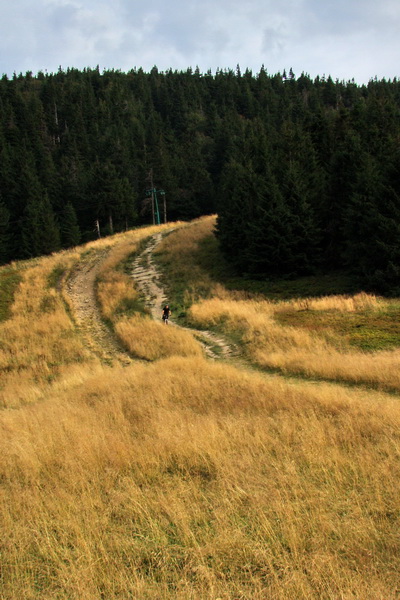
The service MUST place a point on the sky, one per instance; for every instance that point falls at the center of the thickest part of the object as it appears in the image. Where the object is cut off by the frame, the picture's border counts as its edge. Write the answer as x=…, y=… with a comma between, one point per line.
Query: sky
x=346, y=39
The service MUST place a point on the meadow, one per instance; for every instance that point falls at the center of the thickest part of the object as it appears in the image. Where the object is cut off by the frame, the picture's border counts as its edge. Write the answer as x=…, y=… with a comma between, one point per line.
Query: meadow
x=352, y=338
x=177, y=477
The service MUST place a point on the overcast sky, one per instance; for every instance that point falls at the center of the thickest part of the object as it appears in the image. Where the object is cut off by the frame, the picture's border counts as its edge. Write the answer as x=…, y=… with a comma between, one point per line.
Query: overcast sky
x=346, y=39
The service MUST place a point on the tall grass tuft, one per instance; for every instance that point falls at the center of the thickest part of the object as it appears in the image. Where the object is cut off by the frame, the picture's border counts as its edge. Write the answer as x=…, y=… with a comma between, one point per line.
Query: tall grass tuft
x=149, y=340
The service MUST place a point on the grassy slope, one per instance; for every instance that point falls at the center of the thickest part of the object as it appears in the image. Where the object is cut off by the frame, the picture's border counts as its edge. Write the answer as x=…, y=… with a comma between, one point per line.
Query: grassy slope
x=194, y=265
x=9, y=280
x=182, y=479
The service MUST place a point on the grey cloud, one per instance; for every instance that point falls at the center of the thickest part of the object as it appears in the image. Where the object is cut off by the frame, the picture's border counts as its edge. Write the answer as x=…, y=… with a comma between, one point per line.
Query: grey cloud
x=336, y=36
x=61, y=17
x=274, y=42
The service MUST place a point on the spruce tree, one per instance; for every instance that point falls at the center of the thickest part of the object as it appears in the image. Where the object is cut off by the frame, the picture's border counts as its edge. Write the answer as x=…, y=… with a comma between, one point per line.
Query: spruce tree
x=235, y=205
x=39, y=231
x=303, y=230
x=69, y=228
x=124, y=205
x=270, y=251
x=5, y=254
x=373, y=230
x=343, y=169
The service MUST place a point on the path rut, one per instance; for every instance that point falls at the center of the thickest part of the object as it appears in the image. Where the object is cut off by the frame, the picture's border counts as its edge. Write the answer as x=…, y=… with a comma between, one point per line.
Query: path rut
x=81, y=289
x=147, y=278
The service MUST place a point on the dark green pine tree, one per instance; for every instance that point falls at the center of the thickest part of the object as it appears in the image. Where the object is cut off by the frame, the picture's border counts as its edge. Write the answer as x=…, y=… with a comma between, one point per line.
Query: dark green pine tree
x=281, y=229
x=73, y=180
x=344, y=166
x=296, y=170
x=7, y=180
x=31, y=231
x=51, y=232
x=235, y=206
x=27, y=190
x=373, y=230
x=39, y=231
x=103, y=179
x=124, y=204
x=304, y=231
x=225, y=145
x=270, y=250
x=69, y=228
x=195, y=195
x=5, y=250
x=112, y=198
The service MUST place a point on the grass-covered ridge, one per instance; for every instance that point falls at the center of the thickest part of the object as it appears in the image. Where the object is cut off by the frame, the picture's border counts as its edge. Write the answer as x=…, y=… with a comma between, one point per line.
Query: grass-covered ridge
x=181, y=478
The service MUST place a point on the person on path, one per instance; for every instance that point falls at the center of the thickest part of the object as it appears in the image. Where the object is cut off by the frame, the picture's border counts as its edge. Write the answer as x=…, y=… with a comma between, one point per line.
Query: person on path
x=166, y=313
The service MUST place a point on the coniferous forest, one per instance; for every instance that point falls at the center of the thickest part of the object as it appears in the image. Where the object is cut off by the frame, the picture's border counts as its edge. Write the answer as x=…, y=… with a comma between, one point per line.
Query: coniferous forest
x=303, y=173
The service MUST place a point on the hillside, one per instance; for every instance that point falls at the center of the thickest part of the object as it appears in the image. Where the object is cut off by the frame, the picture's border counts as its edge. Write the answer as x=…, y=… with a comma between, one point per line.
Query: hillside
x=249, y=450
x=304, y=174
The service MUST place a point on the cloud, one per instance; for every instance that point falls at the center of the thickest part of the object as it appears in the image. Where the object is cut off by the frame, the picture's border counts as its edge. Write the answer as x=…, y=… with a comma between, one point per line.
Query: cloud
x=345, y=38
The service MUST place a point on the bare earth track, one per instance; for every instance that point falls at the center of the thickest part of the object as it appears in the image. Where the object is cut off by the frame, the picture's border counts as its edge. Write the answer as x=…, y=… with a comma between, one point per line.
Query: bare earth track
x=81, y=291
x=147, y=279
x=80, y=288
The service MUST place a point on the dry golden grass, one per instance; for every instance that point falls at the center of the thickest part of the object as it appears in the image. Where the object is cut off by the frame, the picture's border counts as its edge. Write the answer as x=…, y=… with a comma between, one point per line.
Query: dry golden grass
x=149, y=340
x=114, y=289
x=177, y=253
x=142, y=337
x=357, y=303
x=295, y=350
x=39, y=342
x=186, y=479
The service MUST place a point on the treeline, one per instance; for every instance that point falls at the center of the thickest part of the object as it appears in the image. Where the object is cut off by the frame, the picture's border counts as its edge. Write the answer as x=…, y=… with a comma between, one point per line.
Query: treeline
x=304, y=173
x=314, y=184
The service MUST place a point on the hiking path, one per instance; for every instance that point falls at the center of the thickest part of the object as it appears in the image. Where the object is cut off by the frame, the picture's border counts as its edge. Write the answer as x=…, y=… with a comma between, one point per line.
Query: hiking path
x=80, y=288
x=148, y=281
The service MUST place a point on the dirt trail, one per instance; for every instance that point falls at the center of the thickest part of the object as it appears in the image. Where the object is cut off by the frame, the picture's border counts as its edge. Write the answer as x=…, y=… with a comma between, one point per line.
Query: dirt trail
x=80, y=288
x=147, y=279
